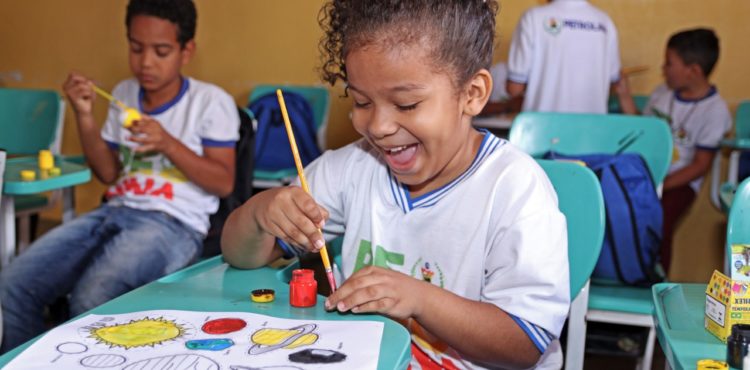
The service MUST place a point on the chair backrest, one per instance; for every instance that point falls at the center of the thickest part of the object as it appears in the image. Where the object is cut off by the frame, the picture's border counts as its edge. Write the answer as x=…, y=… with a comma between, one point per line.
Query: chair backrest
x=317, y=96
x=742, y=120
x=613, y=105
x=738, y=223
x=572, y=133
x=580, y=200
x=2, y=174
x=30, y=120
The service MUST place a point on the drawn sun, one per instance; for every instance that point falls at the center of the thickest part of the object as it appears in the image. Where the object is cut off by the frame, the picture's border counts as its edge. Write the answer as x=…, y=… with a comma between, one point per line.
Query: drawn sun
x=146, y=332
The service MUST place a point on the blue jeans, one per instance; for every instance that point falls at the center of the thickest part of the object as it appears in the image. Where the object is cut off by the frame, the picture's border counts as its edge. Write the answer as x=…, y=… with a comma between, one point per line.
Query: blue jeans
x=92, y=259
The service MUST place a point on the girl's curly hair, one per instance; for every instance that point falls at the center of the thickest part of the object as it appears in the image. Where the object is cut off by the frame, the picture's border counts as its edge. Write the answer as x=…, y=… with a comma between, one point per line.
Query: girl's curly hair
x=459, y=33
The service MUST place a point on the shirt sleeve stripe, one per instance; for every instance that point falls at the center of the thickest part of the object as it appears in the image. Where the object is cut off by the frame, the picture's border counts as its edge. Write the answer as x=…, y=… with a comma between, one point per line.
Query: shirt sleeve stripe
x=540, y=337
x=218, y=143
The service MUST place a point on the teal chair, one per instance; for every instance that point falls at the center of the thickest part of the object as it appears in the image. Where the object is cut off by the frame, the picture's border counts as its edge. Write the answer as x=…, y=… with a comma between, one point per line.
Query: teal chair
x=738, y=222
x=538, y=133
x=320, y=101
x=580, y=200
x=722, y=192
x=31, y=120
x=613, y=105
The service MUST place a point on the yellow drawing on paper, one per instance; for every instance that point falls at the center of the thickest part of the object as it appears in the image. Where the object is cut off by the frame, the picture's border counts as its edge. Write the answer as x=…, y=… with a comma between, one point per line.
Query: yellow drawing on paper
x=270, y=339
x=146, y=332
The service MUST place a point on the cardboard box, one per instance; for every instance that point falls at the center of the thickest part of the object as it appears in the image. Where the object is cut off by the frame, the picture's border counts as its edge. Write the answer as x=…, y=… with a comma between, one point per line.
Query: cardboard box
x=727, y=303
x=740, y=262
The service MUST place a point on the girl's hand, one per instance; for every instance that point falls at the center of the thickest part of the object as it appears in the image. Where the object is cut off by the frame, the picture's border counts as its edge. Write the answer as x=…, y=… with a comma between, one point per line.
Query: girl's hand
x=291, y=215
x=376, y=289
x=79, y=92
x=148, y=133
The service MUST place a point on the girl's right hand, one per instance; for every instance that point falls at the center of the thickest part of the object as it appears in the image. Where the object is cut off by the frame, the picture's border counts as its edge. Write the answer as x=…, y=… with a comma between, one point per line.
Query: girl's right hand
x=292, y=215
x=79, y=92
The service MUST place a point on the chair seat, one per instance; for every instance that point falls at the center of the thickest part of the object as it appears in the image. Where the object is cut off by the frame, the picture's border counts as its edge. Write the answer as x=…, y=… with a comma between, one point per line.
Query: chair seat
x=28, y=202
x=287, y=173
x=621, y=298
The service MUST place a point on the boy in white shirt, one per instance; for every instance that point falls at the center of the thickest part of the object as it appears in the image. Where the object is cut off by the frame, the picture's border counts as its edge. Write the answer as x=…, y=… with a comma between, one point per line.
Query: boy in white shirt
x=165, y=173
x=697, y=114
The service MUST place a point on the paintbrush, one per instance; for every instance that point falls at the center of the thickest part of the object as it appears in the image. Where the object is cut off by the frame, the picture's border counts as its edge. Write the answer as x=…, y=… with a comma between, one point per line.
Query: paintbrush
x=303, y=181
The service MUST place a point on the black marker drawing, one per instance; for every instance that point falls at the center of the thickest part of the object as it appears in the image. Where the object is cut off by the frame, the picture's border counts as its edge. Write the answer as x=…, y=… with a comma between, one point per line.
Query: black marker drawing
x=103, y=360
x=70, y=348
x=175, y=362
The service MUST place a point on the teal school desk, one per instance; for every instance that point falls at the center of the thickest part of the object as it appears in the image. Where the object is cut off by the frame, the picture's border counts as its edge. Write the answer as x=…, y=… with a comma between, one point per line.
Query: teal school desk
x=214, y=286
x=71, y=174
x=678, y=315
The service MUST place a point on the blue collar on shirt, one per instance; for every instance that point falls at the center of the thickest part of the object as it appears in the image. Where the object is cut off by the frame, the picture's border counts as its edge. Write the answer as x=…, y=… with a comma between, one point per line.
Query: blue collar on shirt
x=404, y=200
x=711, y=92
x=163, y=108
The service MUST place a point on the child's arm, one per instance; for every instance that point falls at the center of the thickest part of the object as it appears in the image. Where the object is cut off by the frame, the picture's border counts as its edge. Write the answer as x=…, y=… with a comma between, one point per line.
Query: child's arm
x=487, y=334
x=624, y=96
x=212, y=172
x=698, y=167
x=102, y=160
x=288, y=213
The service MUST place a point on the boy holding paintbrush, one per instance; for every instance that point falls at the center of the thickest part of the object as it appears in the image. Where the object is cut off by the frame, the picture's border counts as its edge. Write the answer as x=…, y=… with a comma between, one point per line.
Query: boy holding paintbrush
x=166, y=171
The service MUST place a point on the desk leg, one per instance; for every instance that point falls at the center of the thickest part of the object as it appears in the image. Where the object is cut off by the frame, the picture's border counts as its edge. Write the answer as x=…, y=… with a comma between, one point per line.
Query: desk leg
x=8, y=231
x=69, y=204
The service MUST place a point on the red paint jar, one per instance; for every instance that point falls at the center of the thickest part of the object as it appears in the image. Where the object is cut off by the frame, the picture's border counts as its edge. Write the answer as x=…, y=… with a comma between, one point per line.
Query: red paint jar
x=303, y=289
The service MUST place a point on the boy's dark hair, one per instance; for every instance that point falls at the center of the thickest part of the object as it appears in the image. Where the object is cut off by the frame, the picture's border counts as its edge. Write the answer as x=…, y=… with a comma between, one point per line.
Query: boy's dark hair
x=180, y=12
x=460, y=33
x=697, y=46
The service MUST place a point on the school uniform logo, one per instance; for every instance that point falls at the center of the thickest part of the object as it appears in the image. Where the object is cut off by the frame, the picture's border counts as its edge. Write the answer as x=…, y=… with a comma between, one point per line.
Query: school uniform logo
x=429, y=272
x=552, y=26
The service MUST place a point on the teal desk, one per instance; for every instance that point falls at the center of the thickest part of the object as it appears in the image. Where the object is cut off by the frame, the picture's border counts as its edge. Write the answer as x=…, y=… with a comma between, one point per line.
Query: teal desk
x=214, y=286
x=71, y=174
x=678, y=316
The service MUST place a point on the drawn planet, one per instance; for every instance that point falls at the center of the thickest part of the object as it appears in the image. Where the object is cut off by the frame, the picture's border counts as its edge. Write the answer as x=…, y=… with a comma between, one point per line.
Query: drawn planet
x=71, y=348
x=103, y=361
x=211, y=344
x=223, y=326
x=175, y=362
x=317, y=356
x=270, y=339
x=138, y=333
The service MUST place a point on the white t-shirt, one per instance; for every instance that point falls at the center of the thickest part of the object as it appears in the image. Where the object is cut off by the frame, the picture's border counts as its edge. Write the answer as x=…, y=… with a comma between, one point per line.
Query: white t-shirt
x=499, y=73
x=494, y=234
x=202, y=115
x=695, y=124
x=566, y=53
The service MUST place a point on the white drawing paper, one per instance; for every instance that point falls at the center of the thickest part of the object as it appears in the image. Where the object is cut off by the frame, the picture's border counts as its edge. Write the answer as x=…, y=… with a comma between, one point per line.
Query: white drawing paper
x=181, y=340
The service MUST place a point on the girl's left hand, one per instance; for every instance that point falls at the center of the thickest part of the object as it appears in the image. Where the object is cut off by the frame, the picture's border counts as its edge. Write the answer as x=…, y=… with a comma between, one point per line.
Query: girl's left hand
x=148, y=133
x=375, y=289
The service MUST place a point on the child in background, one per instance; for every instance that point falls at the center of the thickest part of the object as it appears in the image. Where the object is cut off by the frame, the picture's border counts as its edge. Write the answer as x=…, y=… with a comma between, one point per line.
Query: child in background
x=698, y=117
x=563, y=58
x=166, y=172
x=450, y=230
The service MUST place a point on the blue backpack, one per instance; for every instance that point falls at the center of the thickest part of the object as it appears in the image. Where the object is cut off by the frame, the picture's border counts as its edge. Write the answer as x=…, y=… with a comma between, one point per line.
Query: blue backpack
x=632, y=237
x=272, y=151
